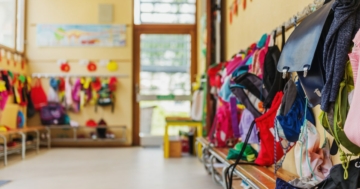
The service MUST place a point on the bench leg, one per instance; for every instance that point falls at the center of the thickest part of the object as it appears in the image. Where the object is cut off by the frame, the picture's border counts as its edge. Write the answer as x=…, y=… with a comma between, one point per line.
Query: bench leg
x=224, y=171
x=48, y=137
x=205, y=159
x=4, y=148
x=200, y=157
x=37, y=142
x=23, y=145
x=212, y=169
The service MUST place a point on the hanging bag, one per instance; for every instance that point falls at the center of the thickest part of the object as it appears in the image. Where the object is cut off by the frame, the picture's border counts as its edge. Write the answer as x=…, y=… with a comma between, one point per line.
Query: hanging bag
x=334, y=121
x=272, y=79
x=303, y=52
x=38, y=95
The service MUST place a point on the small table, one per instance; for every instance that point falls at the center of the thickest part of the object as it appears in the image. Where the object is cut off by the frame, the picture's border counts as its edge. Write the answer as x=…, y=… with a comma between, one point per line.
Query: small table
x=180, y=122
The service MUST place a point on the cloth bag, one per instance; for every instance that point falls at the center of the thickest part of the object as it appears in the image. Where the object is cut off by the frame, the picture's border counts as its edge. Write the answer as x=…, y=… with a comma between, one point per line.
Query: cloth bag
x=334, y=121
x=38, y=95
x=312, y=161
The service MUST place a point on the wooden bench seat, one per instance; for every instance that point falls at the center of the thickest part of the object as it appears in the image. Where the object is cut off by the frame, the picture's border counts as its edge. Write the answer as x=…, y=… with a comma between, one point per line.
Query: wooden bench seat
x=261, y=177
x=203, y=141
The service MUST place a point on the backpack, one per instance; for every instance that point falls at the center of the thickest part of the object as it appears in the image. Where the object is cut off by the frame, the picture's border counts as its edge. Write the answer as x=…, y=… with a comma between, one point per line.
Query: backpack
x=273, y=81
x=221, y=134
x=249, y=91
x=105, y=98
x=38, y=95
x=53, y=114
x=334, y=120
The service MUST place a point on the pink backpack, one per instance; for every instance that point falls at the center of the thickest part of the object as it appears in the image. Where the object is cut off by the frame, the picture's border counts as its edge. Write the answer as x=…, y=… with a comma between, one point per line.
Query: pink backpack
x=222, y=134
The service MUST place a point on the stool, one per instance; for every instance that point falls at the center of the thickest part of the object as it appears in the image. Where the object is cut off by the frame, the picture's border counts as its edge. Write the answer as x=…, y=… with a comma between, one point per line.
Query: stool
x=181, y=122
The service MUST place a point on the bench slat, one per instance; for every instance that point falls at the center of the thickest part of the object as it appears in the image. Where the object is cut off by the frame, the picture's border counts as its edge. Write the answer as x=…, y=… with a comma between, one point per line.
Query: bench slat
x=263, y=177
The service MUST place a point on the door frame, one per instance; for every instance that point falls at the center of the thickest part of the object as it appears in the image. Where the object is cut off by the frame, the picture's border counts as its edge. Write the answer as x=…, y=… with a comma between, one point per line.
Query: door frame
x=157, y=29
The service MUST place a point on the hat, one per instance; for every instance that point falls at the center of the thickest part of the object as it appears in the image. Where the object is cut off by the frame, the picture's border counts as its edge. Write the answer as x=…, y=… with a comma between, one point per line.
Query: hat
x=91, y=67
x=91, y=123
x=112, y=66
x=102, y=123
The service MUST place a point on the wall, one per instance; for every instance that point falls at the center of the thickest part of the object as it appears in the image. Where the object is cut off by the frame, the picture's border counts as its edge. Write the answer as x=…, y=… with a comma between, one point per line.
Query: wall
x=263, y=16
x=43, y=60
x=201, y=36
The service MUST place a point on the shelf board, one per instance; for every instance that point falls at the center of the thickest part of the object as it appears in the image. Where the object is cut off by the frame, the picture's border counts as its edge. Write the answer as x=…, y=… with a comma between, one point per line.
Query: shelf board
x=86, y=140
x=85, y=127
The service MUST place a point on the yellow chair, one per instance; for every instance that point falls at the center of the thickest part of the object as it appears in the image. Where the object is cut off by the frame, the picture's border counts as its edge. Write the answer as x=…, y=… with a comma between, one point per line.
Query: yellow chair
x=180, y=122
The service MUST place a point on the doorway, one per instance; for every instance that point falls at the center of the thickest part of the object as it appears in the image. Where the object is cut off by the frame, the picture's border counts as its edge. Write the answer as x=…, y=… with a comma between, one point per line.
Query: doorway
x=163, y=73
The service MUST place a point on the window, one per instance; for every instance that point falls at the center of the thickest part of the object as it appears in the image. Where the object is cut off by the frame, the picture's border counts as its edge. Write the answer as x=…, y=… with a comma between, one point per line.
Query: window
x=165, y=64
x=165, y=11
x=12, y=16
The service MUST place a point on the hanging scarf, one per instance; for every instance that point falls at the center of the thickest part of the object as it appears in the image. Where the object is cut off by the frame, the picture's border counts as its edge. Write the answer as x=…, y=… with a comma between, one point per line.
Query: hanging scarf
x=337, y=45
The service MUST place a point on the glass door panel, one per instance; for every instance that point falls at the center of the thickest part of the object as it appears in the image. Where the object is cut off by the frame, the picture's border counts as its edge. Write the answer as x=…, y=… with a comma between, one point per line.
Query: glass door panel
x=165, y=85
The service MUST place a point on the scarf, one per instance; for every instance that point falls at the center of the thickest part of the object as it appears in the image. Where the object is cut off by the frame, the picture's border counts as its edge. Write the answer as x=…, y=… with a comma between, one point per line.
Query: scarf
x=337, y=45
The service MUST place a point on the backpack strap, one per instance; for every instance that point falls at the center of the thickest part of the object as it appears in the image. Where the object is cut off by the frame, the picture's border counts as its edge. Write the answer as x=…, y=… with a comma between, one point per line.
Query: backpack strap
x=234, y=117
x=232, y=167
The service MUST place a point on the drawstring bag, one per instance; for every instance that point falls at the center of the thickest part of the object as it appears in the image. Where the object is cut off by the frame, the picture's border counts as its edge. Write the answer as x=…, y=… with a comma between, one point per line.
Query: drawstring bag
x=292, y=113
x=312, y=161
x=266, y=155
x=334, y=121
x=38, y=95
x=265, y=125
x=246, y=119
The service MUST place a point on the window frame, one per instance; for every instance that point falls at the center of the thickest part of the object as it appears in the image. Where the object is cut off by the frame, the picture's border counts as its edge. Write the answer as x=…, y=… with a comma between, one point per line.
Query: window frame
x=155, y=12
x=14, y=49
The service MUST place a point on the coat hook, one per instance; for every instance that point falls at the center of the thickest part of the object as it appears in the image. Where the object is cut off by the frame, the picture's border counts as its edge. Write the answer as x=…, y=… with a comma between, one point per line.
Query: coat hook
x=295, y=21
x=285, y=70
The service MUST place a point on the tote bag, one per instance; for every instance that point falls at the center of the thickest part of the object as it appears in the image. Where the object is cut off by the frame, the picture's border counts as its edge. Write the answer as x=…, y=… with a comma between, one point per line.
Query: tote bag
x=38, y=95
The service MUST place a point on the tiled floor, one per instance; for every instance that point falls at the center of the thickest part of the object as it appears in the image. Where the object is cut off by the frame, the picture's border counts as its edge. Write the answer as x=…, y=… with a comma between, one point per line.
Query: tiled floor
x=111, y=168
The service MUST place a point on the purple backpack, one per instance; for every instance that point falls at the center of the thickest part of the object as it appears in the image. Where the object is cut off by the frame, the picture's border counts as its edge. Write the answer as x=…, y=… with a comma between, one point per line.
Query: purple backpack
x=52, y=114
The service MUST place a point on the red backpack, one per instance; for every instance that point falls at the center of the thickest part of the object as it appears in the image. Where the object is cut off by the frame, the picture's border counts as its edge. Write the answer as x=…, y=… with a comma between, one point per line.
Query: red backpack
x=38, y=95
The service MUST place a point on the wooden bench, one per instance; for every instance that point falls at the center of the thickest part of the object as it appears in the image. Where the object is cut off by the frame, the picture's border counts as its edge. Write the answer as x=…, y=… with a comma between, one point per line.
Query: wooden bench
x=254, y=175
x=24, y=144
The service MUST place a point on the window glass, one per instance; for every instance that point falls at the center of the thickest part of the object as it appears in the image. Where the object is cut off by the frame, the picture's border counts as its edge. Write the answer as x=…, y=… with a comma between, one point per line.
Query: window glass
x=165, y=11
x=165, y=64
x=7, y=22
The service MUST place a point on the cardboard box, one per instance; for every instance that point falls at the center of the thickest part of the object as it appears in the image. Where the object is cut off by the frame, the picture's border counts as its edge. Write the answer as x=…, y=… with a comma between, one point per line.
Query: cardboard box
x=175, y=149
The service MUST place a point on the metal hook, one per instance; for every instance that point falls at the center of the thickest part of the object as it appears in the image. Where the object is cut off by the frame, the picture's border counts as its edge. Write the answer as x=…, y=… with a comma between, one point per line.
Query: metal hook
x=306, y=69
x=285, y=70
x=357, y=164
x=295, y=21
